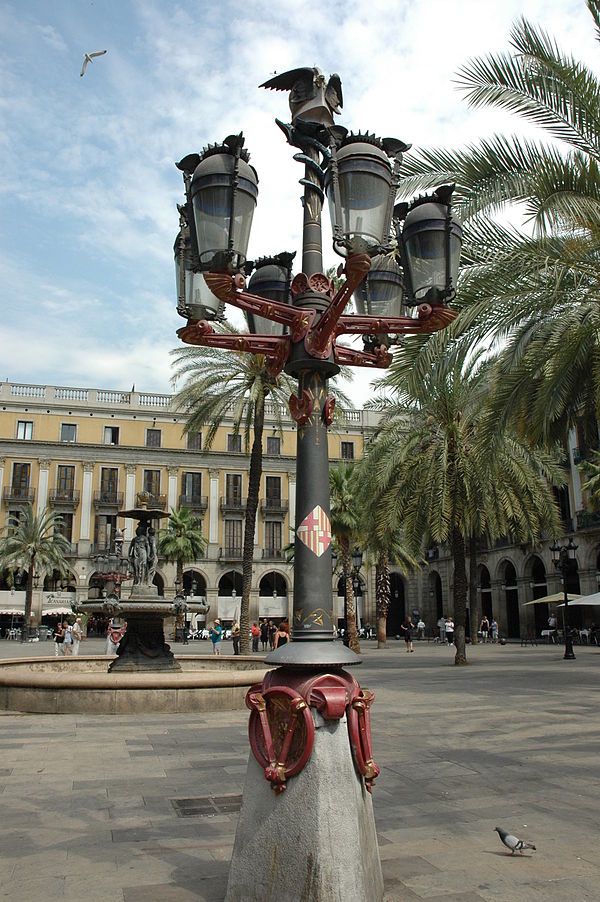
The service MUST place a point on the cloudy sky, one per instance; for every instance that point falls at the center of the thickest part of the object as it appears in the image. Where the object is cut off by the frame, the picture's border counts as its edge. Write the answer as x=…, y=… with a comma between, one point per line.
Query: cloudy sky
x=88, y=186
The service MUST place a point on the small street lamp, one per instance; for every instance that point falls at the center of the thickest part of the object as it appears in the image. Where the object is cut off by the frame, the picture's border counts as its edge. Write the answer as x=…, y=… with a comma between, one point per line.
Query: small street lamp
x=111, y=565
x=563, y=558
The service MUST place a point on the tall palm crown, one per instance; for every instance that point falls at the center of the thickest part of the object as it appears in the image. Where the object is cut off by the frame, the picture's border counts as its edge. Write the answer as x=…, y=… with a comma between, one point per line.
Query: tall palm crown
x=34, y=542
x=538, y=291
x=182, y=541
x=444, y=475
x=220, y=384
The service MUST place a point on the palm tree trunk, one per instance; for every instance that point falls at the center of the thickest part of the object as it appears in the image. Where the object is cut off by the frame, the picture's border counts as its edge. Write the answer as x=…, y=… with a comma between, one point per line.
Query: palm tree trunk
x=28, y=601
x=382, y=598
x=250, y=524
x=460, y=595
x=353, y=642
x=474, y=596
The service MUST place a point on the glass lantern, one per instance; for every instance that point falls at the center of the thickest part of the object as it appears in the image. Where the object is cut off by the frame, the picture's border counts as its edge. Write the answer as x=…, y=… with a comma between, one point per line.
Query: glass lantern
x=358, y=184
x=431, y=239
x=271, y=279
x=380, y=294
x=224, y=189
x=195, y=300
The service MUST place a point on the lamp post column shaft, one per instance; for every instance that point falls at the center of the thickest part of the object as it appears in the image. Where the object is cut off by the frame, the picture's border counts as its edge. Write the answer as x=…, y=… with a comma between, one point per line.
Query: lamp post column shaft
x=312, y=241
x=569, y=653
x=313, y=599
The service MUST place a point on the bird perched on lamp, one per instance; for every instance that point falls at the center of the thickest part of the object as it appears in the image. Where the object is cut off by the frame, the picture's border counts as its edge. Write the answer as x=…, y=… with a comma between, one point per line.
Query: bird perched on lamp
x=311, y=97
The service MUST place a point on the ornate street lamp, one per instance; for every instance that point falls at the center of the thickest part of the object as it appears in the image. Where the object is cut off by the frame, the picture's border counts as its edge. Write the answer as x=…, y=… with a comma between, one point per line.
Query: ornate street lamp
x=413, y=263
x=563, y=558
x=111, y=565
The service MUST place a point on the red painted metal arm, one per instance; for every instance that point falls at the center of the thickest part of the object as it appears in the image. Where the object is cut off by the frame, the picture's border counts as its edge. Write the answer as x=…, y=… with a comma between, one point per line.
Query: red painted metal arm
x=430, y=318
x=381, y=358
x=229, y=289
x=275, y=348
x=319, y=340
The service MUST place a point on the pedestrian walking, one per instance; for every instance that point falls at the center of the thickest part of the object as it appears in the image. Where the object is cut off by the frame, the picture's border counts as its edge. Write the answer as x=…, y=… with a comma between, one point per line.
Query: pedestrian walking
x=484, y=629
x=494, y=630
x=216, y=634
x=406, y=627
x=421, y=628
x=255, y=631
x=235, y=637
x=272, y=631
x=78, y=635
x=281, y=635
x=58, y=636
x=264, y=633
x=67, y=646
x=441, y=625
x=449, y=630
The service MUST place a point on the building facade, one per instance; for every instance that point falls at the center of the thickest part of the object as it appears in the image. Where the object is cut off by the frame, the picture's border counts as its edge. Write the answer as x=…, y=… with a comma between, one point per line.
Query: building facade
x=88, y=453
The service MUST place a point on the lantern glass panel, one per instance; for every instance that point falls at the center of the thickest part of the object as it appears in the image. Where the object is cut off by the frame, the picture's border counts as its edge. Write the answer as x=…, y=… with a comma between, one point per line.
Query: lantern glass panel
x=426, y=254
x=364, y=201
x=381, y=292
x=212, y=211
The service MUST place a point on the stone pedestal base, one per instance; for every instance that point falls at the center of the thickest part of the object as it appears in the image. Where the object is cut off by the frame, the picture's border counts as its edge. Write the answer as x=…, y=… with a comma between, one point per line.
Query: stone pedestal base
x=143, y=646
x=316, y=840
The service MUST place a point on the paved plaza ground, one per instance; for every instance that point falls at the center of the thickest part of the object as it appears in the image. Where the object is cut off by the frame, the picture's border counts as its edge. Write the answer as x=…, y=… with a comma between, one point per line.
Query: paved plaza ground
x=93, y=807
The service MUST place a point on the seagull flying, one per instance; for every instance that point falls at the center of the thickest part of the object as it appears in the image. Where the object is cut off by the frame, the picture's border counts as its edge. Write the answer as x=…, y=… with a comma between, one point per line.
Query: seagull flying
x=89, y=57
x=512, y=842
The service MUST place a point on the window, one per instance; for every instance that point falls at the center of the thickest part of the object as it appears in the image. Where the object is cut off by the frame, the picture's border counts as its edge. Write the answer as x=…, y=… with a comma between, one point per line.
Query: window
x=68, y=432
x=273, y=536
x=194, y=441
x=20, y=480
x=273, y=445
x=104, y=528
x=191, y=486
x=273, y=490
x=153, y=438
x=152, y=481
x=347, y=450
x=25, y=429
x=111, y=435
x=65, y=527
x=12, y=520
x=109, y=479
x=65, y=481
x=233, y=536
x=233, y=489
x=234, y=443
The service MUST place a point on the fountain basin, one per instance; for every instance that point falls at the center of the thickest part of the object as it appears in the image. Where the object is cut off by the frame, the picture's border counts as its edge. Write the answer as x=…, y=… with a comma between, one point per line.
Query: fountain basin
x=83, y=685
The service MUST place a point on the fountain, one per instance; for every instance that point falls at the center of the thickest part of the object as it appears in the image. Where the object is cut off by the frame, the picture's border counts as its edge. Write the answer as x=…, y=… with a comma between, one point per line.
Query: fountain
x=145, y=675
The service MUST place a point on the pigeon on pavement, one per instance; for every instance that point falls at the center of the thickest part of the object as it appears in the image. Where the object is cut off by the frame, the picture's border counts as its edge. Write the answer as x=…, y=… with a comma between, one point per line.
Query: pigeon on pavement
x=513, y=842
x=89, y=58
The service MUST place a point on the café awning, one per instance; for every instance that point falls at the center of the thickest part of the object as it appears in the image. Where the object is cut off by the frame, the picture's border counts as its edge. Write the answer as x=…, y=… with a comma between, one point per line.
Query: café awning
x=552, y=599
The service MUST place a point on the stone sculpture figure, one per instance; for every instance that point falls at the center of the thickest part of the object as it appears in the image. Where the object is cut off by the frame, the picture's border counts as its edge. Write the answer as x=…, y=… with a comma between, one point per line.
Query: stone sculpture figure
x=139, y=556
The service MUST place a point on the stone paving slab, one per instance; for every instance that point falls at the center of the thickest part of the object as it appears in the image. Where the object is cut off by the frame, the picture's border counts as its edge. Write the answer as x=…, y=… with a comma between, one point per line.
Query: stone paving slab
x=511, y=740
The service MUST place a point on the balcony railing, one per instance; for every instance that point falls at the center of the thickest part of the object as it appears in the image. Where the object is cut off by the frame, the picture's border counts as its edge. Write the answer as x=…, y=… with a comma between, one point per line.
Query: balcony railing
x=232, y=503
x=158, y=502
x=274, y=506
x=64, y=497
x=108, y=499
x=230, y=553
x=273, y=554
x=19, y=494
x=194, y=502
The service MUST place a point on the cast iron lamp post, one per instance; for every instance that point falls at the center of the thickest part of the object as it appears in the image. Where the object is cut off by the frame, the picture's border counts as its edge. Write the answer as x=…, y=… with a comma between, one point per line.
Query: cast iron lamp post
x=415, y=250
x=563, y=558
x=112, y=566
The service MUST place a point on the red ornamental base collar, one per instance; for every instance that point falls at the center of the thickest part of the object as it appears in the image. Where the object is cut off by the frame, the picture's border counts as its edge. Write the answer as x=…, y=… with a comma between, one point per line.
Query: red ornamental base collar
x=281, y=727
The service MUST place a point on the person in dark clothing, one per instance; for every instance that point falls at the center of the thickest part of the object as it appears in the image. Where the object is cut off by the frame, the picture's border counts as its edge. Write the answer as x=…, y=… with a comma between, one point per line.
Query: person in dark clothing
x=264, y=634
x=407, y=630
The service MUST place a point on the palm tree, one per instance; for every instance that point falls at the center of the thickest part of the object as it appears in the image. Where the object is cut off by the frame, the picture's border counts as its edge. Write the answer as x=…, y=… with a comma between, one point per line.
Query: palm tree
x=220, y=384
x=182, y=541
x=345, y=526
x=537, y=292
x=384, y=545
x=34, y=541
x=444, y=476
